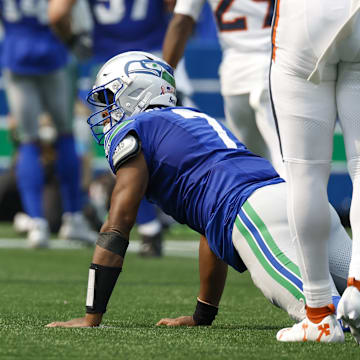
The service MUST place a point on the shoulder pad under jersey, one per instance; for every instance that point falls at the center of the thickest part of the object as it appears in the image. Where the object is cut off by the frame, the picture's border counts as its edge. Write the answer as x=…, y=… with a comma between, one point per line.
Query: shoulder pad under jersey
x=127, y=148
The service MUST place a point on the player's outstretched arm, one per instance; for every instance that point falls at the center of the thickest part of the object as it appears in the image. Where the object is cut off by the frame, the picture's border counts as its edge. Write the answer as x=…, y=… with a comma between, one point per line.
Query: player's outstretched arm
x=107, y=261
x=62, y=21
x=169, y=5
x=213, y=272
x=179, y=30
x=58, y=10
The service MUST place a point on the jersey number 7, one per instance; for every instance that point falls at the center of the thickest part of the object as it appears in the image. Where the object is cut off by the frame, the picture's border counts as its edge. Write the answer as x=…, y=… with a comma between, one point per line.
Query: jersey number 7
x=239, y=23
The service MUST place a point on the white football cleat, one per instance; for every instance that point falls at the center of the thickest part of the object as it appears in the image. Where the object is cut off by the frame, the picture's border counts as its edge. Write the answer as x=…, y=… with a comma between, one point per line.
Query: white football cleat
x=75, y=227
x=38, y=234
x=328, y=330
x=349, y=310
x=22, y=222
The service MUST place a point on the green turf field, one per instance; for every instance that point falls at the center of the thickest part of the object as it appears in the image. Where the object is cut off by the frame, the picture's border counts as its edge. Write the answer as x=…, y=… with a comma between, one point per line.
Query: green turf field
x=175, y=232
x=37, y=287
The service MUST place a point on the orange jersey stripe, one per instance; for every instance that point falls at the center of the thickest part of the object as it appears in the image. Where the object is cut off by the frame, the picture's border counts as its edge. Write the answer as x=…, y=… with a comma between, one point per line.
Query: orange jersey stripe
x=276, y=21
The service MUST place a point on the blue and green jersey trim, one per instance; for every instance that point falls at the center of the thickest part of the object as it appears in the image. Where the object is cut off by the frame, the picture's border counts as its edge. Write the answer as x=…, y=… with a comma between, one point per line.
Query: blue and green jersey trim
x=271, y=258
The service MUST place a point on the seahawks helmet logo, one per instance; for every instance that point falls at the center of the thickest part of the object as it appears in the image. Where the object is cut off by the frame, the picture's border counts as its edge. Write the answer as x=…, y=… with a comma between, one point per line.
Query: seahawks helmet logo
x=151, y=67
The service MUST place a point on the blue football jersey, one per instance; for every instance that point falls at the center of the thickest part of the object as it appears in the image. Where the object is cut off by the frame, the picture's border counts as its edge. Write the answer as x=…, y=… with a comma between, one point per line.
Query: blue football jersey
x=199, y=173
x=29, y=45
x=125, y=25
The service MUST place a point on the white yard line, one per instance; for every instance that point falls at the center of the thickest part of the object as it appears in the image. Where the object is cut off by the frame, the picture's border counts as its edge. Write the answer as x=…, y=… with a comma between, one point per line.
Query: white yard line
x=180, y=248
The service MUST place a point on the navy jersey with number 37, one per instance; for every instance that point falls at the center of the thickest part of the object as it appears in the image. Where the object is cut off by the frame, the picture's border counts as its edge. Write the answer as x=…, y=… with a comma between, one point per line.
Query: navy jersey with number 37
x=199, y=173
x=124, y=25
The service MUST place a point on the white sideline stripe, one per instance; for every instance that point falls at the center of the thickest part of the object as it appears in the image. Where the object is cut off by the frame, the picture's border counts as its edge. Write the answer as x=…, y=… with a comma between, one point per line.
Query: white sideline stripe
x=4, y=123
x=182, y=248
x=206, y=85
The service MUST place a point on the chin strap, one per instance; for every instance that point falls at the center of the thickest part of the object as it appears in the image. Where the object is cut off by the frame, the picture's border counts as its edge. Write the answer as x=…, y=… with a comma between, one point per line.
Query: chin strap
x=143, y=104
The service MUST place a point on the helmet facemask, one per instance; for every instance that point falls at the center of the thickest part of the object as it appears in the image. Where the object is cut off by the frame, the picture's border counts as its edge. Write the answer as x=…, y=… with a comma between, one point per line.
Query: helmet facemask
x=105, y=96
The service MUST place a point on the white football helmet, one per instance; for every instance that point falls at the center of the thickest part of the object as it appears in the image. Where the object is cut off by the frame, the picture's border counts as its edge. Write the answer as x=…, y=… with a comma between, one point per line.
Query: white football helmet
x=128, y=84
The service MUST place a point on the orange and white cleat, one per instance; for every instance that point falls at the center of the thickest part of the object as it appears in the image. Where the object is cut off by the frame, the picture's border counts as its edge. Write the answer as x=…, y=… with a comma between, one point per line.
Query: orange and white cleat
x=349, y=308
x=328, y=330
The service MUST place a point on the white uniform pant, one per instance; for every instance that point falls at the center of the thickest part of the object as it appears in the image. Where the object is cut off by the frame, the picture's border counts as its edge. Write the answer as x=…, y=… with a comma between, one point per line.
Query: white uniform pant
x=306, y=114
x=250, y=118
x=261, y=236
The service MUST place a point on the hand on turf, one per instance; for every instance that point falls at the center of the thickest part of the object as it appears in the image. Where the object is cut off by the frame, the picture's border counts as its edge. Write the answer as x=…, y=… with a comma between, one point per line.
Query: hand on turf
x=180, y=321
x=90, y=320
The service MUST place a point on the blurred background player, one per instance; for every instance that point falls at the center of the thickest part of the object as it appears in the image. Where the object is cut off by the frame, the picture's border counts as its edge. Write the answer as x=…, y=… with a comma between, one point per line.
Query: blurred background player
x=120, y=26
x=315, y=76
x=34, y=63
x=244, y=29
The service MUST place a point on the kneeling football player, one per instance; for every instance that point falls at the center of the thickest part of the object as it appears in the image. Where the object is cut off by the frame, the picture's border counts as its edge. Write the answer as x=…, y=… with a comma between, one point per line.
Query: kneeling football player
x=194, y=168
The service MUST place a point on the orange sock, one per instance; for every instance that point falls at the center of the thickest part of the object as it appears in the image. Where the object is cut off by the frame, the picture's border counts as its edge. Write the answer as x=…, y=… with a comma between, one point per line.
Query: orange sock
x=315, y=315
x=353, y=282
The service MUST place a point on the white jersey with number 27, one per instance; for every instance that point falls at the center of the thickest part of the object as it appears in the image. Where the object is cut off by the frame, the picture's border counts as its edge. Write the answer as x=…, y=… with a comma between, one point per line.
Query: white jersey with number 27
x=244, y=29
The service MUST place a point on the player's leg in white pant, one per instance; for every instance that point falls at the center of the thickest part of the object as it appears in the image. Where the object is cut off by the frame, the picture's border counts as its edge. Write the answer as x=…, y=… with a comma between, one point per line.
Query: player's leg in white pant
x=340, y=246
x=309, y=218
x=250, y=118
x=348, y=95
x=260, y=102
x=306, y=117
x=262, y=239
x=240, y=118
